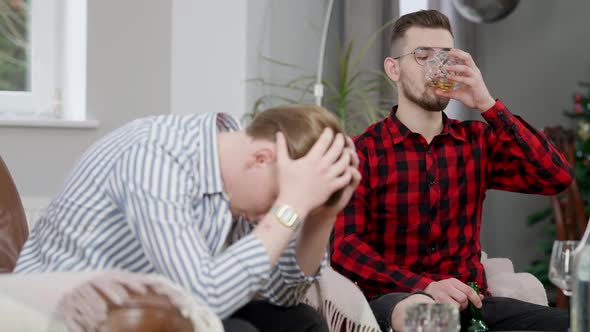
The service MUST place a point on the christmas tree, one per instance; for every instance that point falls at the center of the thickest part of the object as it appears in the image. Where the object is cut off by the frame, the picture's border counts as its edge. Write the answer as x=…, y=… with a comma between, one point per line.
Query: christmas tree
x=581, y=114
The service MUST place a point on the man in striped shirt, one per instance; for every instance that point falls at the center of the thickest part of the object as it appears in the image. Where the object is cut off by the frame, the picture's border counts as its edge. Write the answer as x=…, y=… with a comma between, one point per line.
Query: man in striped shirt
x=212, y=207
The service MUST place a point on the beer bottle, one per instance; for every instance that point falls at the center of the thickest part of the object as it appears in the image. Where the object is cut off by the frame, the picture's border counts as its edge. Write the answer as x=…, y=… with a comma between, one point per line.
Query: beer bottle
x=476, y=324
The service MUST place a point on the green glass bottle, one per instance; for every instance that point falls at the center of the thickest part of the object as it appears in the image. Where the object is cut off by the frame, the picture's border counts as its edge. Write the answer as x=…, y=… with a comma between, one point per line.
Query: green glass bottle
x=476, y=324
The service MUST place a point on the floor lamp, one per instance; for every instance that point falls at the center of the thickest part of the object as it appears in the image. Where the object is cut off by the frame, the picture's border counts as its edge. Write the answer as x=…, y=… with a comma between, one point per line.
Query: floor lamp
x=318, y=88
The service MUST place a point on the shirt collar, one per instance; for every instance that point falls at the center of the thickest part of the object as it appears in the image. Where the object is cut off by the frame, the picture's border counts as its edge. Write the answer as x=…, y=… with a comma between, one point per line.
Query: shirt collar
x=400, y=132
x=211, y=180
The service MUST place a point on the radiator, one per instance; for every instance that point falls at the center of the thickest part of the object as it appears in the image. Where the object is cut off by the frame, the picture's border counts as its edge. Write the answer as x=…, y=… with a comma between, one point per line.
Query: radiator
x=34, y=207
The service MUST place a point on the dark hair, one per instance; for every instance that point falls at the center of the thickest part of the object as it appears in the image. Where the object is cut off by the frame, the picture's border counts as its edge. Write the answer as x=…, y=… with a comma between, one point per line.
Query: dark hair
x=423, y=19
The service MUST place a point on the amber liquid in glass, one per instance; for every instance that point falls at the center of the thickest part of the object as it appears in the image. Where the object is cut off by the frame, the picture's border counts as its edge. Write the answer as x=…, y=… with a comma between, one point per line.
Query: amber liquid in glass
x=444, y=84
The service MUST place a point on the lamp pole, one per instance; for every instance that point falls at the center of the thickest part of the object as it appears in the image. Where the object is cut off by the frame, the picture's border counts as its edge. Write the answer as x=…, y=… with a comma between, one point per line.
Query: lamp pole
x=318, y=88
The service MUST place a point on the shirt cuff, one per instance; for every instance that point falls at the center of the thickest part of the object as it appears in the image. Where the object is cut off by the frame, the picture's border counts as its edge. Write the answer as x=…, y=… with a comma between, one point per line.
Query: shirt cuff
x=500, y=118
x=292, y=272
x=498, y=115
x=422, y=283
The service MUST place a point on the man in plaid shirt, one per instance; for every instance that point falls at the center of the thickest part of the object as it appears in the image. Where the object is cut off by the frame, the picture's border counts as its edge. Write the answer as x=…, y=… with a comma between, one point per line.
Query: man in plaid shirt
x=411, y=231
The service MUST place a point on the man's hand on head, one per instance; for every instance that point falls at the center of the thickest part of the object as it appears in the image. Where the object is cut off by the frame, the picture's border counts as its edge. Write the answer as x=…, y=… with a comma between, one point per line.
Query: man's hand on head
x=306, y=183
x=329, y=212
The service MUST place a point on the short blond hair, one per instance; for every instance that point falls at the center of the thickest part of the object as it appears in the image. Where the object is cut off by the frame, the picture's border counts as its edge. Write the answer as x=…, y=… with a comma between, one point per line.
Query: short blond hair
x=301, y=125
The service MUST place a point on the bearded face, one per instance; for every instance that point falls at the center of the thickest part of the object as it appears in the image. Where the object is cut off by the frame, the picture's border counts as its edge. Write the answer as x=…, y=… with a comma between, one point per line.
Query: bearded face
x=421, y=94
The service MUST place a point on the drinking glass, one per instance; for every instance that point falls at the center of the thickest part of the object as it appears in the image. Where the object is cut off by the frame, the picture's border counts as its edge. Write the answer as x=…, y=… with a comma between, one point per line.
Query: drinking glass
x=436, y=72
x=432, y=317
x=561, y=265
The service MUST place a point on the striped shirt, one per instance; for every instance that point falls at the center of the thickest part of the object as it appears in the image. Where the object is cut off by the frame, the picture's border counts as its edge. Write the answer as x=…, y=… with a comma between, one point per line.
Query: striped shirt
x=149, y=198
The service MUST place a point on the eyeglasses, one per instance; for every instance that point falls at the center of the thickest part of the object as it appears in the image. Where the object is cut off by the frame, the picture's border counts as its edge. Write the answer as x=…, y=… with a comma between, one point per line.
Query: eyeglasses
x=422, y=54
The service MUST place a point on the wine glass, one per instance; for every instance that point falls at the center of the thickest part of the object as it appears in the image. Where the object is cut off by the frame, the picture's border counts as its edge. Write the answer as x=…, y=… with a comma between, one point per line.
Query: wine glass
x=561, y=265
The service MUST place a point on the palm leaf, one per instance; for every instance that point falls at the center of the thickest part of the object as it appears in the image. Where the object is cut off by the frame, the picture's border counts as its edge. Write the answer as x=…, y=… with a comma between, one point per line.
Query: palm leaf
x=281, y=63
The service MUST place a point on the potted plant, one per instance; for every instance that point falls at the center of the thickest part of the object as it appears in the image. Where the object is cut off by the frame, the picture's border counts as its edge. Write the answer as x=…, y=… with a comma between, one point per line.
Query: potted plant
x=356, y=96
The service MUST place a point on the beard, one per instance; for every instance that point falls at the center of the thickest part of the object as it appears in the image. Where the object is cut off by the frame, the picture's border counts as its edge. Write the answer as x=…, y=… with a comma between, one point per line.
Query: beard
x=427, y=101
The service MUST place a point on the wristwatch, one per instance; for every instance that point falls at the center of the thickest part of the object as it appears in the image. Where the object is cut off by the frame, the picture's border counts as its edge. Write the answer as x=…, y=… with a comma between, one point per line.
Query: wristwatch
x=286, y=215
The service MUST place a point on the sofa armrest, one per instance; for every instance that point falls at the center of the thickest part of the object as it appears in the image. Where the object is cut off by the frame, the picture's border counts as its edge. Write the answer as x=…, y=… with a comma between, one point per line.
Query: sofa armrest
x=494, y=266
x=521, y=286
x=504, y=282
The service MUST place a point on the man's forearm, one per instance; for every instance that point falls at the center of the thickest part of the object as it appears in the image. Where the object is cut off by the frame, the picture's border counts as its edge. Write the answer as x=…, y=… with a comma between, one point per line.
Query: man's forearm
x=274, y=236
x=312, y=243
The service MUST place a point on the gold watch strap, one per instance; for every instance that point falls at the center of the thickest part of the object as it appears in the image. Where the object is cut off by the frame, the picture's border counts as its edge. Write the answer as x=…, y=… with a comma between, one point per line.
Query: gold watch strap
x=286, y=215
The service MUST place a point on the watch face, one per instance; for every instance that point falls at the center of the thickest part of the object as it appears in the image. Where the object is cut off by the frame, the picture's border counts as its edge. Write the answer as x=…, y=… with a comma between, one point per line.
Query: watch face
x=286, y=215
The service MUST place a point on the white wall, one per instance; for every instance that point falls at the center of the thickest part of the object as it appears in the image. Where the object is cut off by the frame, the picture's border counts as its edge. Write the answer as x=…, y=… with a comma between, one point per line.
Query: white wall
x=208, y=56
x=128, y=77
x=213, y=58
x=532, y=60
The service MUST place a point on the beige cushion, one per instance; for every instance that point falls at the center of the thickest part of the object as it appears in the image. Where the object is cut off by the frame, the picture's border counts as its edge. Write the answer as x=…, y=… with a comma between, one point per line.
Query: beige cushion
x=504, y=282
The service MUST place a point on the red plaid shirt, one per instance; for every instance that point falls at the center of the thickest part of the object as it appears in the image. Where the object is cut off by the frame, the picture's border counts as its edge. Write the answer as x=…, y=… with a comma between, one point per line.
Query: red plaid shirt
x=415, y=218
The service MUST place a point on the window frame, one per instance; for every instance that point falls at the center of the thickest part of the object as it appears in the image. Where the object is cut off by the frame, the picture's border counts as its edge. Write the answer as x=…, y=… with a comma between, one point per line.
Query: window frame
x=57, y=65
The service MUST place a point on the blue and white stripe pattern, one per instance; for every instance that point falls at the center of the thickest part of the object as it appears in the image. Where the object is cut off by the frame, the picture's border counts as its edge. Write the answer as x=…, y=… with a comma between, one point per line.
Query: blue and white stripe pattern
x=149, y=198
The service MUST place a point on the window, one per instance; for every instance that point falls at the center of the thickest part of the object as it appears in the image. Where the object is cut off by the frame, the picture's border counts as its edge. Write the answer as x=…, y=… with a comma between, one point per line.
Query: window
x=13, y=40
x=42, y=59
